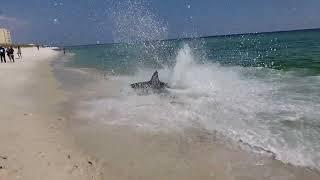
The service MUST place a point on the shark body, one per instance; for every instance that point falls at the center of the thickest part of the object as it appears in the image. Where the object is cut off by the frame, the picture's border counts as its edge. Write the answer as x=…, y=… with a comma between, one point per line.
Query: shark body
x=154, y=84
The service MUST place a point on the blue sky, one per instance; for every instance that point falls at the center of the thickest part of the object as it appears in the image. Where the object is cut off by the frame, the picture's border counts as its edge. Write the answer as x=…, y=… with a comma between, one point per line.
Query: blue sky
x=89, y=21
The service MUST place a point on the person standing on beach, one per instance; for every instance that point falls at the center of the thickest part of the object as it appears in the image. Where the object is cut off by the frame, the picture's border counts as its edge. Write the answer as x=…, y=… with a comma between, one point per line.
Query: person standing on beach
x=19, y=52
x=10, y=53
x=3, y=55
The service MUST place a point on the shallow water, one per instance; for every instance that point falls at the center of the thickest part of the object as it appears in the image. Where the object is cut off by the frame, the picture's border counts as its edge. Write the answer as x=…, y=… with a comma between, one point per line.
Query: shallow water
x=260, y=92
x=131, y=144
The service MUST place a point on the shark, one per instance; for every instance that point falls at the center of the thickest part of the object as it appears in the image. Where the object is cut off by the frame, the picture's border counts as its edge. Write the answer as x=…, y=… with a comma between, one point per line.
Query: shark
x=155, y=85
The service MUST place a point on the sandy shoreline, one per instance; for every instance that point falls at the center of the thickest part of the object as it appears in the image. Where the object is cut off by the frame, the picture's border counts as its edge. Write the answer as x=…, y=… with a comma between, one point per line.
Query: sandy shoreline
x=128, y=152
x=42, y=137
x=33, y=145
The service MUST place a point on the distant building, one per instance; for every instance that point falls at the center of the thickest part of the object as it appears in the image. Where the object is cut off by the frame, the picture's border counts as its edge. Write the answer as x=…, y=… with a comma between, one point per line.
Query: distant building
x=5, y=36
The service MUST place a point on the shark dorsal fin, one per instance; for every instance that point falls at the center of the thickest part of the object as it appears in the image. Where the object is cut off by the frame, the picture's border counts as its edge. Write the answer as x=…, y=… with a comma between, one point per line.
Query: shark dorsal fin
x=155, y=77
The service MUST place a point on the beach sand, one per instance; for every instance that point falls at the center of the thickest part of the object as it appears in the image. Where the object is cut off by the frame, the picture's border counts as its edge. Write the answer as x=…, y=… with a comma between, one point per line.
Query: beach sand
x=41, y=136
x=33, y=145
x=130, y=152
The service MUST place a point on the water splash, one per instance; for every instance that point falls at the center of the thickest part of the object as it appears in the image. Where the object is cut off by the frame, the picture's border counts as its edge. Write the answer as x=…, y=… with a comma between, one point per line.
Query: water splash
x=134, y=22
x=184, y=60
x=258, y=106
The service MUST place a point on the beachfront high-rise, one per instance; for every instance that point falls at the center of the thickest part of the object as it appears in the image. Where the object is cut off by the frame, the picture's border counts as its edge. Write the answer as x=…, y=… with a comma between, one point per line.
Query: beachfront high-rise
x=5, y=36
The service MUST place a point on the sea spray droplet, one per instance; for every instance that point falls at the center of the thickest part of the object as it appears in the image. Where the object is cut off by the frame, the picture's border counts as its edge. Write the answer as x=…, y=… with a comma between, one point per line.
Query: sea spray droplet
x=133, y=21
x=55, y=21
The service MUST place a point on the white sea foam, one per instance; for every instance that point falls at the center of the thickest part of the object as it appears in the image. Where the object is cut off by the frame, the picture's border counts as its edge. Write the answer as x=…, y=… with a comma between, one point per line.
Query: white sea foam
x=264, y=108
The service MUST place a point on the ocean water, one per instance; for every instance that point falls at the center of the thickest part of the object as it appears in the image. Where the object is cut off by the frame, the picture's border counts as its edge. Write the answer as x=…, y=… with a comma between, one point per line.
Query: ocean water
x=262, y=90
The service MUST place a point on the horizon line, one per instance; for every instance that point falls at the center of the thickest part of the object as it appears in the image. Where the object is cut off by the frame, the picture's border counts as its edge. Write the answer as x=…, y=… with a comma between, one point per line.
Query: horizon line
x=204, y=36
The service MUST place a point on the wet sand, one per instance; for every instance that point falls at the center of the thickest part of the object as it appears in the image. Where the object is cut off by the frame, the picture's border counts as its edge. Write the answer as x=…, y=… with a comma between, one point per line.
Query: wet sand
x=43, y=137
x=128, y=152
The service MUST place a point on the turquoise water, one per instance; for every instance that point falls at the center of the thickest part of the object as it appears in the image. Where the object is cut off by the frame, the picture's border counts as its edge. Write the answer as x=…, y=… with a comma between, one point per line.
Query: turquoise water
x=296, y=50
x=260, y=89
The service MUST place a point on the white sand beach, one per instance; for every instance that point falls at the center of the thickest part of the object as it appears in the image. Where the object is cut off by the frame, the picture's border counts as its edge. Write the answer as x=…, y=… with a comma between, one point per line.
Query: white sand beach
x=37, y=141
x=32, y=143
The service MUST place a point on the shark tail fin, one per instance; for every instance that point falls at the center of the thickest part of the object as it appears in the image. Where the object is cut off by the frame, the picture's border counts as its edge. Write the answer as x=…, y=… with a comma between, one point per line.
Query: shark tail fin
x=155, y=77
